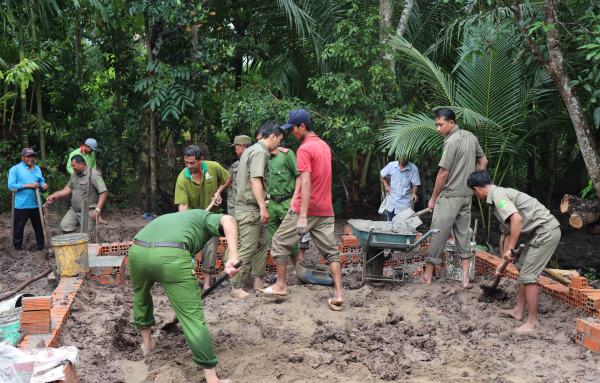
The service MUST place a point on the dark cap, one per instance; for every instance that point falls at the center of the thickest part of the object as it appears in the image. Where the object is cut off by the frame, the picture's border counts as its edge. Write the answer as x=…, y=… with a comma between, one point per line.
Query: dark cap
x=27, y=152
x=297, y=117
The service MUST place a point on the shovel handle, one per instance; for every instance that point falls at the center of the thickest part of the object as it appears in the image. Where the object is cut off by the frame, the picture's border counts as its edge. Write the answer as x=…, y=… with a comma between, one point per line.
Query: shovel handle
x=420, y=213
x=515, y=253
x=221, y=279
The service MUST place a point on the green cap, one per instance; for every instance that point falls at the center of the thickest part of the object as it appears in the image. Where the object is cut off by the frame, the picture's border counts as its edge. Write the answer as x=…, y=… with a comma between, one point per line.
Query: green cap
x=242, y=140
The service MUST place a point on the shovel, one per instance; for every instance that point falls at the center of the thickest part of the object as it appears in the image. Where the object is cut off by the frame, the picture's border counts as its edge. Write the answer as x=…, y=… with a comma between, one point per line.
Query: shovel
x=489, y=290
x=408, y=217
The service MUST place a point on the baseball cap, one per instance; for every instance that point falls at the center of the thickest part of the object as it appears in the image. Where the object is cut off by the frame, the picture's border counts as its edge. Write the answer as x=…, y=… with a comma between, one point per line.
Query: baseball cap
x=297, y=117
x=241, y=140
x=92, y=144
x=27, y=152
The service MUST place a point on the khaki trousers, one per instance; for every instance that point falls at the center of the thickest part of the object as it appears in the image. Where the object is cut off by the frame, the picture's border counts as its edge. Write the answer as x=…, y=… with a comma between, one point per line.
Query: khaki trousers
x=537, y=253
x=209, y=255
x=253, y=246
x=73, y=219
x=450, y=215
x=322, y=233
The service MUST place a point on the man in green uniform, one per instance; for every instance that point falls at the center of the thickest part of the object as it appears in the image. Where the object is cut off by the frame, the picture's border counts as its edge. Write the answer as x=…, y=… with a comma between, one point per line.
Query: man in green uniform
x=451, y=198
x=241, y=143
x=88, y=152
x=163, y=252
x=200, y=183
x=78, y=187
x=251, y=210
x=519, y=214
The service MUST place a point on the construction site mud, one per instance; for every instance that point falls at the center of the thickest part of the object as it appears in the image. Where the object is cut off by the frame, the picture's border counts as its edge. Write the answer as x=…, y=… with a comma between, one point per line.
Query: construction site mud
x=386, y=332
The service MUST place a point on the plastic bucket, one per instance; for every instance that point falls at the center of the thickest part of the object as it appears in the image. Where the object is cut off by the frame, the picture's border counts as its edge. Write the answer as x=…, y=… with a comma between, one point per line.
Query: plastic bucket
x=71, y=251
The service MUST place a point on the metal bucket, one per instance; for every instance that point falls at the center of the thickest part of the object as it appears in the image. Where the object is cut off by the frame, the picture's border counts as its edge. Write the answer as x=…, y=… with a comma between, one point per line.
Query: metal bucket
x=454, y=262
x=71, y=251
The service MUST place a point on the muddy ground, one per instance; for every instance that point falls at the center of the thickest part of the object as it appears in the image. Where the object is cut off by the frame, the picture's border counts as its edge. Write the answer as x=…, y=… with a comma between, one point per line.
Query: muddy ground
x=385, y=332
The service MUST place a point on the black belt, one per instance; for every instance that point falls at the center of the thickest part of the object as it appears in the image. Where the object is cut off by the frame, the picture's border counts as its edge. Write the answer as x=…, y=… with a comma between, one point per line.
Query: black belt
x=161, y=244
x=283, y=198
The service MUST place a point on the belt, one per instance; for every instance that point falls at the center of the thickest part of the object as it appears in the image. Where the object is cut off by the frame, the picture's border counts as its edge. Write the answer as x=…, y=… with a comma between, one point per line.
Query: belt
x=161, y=244
x=282, y=198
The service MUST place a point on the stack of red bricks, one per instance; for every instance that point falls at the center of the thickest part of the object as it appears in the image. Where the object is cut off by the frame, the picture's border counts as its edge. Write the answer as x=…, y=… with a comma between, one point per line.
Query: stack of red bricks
x=109, y=274
x=35, y=317
x=61, y=301
x=588, y=334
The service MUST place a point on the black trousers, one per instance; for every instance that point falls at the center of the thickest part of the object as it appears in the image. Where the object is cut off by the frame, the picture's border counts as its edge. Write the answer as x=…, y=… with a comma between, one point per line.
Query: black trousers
x=21, y=217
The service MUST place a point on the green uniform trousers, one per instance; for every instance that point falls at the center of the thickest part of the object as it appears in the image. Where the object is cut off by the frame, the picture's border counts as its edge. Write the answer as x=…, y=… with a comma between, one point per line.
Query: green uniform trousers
x=278, y=211
x=253, y=246
x=172, y=268
x=451, y=215
x=73, y=219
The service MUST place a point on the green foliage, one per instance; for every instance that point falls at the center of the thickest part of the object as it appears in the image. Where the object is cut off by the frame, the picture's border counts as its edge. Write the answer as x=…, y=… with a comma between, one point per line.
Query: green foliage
x=589, y=192
x=591, y=274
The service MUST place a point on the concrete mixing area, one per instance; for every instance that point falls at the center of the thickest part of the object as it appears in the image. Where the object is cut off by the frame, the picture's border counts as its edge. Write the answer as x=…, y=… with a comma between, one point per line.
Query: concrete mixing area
x=386, y=331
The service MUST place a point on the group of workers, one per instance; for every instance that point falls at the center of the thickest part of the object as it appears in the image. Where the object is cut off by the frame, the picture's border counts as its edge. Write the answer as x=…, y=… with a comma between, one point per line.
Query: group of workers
x=25, y=177
x=276, y=199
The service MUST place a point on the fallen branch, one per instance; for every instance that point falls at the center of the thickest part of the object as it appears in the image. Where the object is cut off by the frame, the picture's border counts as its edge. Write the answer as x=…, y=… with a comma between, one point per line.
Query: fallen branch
x=27, y=283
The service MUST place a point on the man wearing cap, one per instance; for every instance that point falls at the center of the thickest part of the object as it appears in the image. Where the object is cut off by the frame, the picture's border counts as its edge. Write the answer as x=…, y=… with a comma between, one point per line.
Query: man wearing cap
x=251, y=210
x=311, y=209
x=88, y=152
x=240, y=143
x=25, y=178
x=199, y=184
x=83, y=175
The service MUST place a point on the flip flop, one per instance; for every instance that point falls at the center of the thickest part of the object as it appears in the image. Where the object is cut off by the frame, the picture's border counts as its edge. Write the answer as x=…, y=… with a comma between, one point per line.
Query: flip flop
x=268, y=292
x=333, y=306
x=294, y=275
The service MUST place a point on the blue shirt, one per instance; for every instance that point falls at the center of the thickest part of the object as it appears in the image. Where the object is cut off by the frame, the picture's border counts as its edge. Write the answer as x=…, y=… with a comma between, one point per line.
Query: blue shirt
x=18, y=176
x=402, y=182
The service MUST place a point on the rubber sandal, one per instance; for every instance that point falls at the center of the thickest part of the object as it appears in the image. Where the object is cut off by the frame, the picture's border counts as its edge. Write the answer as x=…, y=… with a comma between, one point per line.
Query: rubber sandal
x=268, y=292
x=333, y=306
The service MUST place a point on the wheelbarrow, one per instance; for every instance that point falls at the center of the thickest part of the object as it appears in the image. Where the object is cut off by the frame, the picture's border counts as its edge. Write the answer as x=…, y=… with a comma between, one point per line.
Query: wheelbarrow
x=379, y=241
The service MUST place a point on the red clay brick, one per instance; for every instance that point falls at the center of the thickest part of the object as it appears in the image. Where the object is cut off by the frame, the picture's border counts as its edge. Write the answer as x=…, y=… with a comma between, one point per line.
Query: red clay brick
x=592, y=344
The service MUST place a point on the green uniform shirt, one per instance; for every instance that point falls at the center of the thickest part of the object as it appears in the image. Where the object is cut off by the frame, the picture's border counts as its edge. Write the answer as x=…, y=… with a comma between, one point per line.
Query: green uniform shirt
x=505, y=202
x=90, y=159
x=189, y=192
x=253, y=163
x=191, y=227
x=232, y=195
x=460, y=155
x=78, y=184
x=283, y=170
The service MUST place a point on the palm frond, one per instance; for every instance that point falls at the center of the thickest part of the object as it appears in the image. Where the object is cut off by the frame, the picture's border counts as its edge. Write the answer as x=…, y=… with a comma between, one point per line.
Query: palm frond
x=411, y=135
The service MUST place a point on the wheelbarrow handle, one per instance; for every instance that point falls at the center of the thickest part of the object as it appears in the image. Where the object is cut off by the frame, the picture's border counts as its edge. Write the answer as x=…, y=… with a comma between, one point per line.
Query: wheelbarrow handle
x=424, y=237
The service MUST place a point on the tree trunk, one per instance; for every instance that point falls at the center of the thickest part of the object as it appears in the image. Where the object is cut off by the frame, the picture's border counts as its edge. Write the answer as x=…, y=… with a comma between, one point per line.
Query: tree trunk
x=365, y=173
x=38, y=86
x=24, y=134
x=386, y=17
x=138, y=196
x=404, y=17
x=78, y=50
x=582, y=211
x=152, y=132
x=555, y=67
x=425, y=178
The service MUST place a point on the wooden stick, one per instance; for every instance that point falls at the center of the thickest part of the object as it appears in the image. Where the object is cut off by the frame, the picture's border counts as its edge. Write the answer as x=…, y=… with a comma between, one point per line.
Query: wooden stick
x=12, y=214
x=475, y=230
x=39, y=201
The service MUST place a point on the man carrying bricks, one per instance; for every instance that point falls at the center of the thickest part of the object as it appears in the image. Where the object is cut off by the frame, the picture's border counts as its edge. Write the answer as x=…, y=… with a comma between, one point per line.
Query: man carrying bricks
x=251, y=210
x=163, y=252
x=451, y=198
x=200, y=183
x=519, y=214
x=311, y=209
x=78, y=187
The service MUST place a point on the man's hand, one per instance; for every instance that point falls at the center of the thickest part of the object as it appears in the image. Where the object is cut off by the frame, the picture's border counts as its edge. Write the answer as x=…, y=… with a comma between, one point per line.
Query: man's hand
x=229, y=269
x=45, y=187
x=302, y=225
x=52, y=198
x=431, y=204
x=95, y=215
x=388, y=189
x=507, y=257
x=217, y=198
x=264, y=215
x=414, y=198
x=33, y=185
x=497, y=272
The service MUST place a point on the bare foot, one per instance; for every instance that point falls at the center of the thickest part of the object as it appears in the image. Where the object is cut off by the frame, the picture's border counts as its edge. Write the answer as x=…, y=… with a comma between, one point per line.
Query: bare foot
x=238, y=293
x=424, y=281
x=513, y=314
x=259, y=284
x=528, y=327
x=147, y=350
x=100, y=220
x=467, y=287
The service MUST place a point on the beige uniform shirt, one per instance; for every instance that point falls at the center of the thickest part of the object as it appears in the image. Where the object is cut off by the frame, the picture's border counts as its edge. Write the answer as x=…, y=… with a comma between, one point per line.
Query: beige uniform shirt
x=253, y=163
x=460, y=155
x=232, y=193
x=505, y=202
x=78, y=184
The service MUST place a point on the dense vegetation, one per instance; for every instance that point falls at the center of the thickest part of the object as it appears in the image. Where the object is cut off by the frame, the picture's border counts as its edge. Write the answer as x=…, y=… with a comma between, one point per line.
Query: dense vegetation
x=144, y=77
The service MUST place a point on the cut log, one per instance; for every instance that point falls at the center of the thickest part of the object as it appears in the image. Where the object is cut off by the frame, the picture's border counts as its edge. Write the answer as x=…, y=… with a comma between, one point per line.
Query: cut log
x=583, y=211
